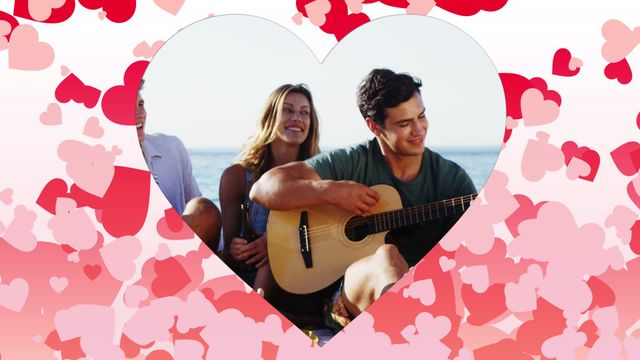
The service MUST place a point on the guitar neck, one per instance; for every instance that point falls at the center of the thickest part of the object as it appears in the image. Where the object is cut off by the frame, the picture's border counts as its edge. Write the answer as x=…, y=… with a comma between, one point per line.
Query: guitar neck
x=395, y=219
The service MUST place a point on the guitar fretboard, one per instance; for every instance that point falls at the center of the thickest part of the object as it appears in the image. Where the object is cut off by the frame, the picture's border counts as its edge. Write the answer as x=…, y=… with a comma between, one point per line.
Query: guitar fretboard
x=400, y=218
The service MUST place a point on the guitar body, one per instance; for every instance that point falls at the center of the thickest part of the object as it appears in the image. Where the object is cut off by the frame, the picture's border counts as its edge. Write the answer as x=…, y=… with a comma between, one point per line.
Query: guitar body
x=331, y=250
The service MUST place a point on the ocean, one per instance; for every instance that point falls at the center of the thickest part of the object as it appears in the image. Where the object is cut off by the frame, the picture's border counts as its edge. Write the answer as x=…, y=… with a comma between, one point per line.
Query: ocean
x=208, y=165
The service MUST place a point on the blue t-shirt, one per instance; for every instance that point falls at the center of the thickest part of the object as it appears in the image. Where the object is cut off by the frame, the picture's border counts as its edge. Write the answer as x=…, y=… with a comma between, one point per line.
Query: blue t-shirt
x=438, y=179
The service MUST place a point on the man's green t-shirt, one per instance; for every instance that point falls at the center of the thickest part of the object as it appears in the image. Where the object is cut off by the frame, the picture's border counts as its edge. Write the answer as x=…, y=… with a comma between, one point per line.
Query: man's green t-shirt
x=438, y=179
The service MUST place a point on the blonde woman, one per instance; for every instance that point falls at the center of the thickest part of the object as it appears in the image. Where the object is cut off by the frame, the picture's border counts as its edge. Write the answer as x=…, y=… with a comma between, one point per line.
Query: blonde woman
x=287, y=131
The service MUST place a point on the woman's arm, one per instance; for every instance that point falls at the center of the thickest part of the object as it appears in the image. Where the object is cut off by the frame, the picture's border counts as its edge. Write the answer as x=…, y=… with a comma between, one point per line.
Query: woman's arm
x=231, y=195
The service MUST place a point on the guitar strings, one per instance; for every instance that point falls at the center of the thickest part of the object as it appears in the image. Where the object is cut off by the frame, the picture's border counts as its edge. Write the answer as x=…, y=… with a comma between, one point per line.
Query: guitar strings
x=388, y=217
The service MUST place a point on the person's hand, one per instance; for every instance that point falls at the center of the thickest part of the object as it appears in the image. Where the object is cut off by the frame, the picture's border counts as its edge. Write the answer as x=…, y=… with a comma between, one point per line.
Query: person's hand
x=255, y=252
x=235, y=248
x=353, y=197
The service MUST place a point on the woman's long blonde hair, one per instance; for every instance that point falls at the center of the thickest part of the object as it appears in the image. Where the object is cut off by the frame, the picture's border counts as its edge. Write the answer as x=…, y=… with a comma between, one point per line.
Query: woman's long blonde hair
x=256, y=155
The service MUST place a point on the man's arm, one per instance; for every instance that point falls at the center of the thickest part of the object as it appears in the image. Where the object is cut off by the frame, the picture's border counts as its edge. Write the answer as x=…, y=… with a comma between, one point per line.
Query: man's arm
x=297, y=185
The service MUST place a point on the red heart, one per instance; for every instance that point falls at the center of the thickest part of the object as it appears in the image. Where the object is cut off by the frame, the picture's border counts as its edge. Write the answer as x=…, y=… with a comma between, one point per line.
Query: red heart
x=174, y=221
x=561, y=60
x=92, y=271
x=635, y=237
x=72, y=88
x=50, y=193
x=469, y=7
x=503, y=349
x=627, y=158
x=171, y=277
x=603, y=295
x=117, y=11
x=126, y=201
x=132, y=349
x=570, y=150
x=58, y=15
x=486, y=306
x=119, y=102
x=619, y=71
x=590, y=329
x=525, y=211
x=541, y=85
x=69, y=349
x=547, y=321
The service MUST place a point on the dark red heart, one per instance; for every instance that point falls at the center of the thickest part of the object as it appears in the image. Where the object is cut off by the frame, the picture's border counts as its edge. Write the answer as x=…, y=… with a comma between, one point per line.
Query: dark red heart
x=619, y=71
x=117, y=11
x=58, y=15
x=627, y=158
x=50, y=193
x=560, y=66
x=126, y=201
x=570, y=150
x=171, y=277
x=72, y=88
x=12, y=22
x=92, y=271
x=119, y=102
x=635, y=237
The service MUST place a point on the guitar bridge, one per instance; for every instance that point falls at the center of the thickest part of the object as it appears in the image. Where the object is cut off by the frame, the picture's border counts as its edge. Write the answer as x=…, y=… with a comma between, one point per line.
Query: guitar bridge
x=305, y=240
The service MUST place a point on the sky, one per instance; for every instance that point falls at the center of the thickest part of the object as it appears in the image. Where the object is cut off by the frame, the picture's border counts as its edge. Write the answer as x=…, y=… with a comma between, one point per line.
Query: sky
x=209, y=82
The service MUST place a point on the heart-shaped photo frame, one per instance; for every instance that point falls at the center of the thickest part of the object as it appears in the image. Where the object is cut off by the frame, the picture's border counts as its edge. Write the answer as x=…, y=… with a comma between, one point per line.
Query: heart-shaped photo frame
x=327, y=174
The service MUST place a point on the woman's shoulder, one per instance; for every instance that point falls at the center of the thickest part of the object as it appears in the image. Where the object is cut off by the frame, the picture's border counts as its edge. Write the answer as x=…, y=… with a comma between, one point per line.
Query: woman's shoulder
x=234, y=172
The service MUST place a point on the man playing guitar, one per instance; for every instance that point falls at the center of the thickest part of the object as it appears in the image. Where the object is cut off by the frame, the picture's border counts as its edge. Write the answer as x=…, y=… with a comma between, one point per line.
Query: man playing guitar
x=392, y=107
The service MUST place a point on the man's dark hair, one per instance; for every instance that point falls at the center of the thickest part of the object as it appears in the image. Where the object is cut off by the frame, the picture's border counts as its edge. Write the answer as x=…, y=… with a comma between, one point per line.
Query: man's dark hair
x=382, y=89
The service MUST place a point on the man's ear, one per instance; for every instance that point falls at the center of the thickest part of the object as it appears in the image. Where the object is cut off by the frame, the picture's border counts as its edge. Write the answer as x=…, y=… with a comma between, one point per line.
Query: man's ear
x=373, y=126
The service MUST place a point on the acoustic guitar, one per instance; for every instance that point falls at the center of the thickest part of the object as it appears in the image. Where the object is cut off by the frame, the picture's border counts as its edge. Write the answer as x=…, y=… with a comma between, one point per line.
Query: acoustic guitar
x=311, y=248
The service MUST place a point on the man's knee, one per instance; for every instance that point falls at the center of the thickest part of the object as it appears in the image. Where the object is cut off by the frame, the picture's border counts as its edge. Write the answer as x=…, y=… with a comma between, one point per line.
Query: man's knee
x=203, y=216
x=388, y=256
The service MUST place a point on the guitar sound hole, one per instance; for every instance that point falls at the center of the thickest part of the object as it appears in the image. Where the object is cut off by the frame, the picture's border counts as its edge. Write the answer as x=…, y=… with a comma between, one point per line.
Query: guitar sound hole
x=356, y=228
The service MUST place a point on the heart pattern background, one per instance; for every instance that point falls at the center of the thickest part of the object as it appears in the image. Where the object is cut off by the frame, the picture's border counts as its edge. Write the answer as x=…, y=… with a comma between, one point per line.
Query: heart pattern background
x=540, y=267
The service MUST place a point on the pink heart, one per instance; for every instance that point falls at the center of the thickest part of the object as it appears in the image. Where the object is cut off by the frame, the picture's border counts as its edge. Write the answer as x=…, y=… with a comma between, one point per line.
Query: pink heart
x=620, y=40
x=26, y=52
x=540, y=157
x=144, y=50
x=102, y=15
x=6, y=196
x=536, y=110
x=92, y=128
x=170, y=6
x=134, y=295
x=575, y=63
x=477, y=277
x=420, y=7
x=40, y=10
x=64, y=71
x=576, y=168
x=355, y=6
x=5, y=28
x=511, y=123
x=316, y=11
x=119, y=256
x=446, y=264
x=14, y=295
x=74, y=257
x=4, y=43
x=163, y=252
x=53, y=115
x=297, y=18
x=58, y=284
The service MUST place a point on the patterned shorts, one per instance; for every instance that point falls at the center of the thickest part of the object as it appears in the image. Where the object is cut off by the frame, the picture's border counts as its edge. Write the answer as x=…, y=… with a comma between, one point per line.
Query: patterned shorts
x=336, y=316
